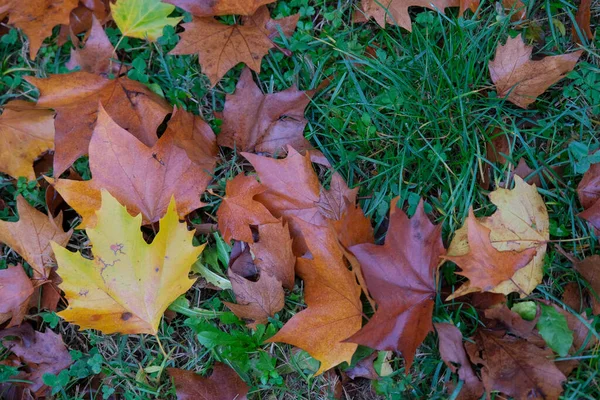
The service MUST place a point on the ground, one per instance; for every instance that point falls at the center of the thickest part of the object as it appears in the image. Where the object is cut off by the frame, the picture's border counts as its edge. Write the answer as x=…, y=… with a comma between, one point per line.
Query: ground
x=406, y=114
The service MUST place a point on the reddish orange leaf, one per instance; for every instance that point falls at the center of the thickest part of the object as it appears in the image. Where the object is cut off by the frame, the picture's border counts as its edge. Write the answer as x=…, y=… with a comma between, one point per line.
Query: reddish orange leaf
x=273, y=252
x=95, y=56
x=485, y=266
x=589, y=195
x=76, y=97
x=140, y=177
x=239, y=210
x=400, y=276
x=583, y=19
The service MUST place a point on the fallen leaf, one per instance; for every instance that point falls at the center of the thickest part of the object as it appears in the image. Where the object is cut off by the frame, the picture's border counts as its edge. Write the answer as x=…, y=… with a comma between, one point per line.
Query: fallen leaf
x=264, y=123
x=338, y=200
x=256, y=301
x=364, y=368
x=583, y=19
x=521, y=79
x=484, y=265
x=518, y=7
x=37, y=18
x=273, y=252
x=453, y=353
x=26, y=132
x=272, y=27
x=582, y=339
x=143, y=19
x=520, y=222
x=42, y=353
x=95, y=56
x=573, y=296
x=76, y=98
x=400, y=276
x=142, y=178
x=515, y=367
x=334, y=308
x=468, y=5
x=15, y=291
x=221, y=47
x=395, y=12
x=81, y=18
x=515, y=323
x=31, y=235
x=496, y=150
x=589, y=195
x=589, y=268
x=195, y=136
x=223, y=384
x=239, y=210
x=213, y=8
x=129, y=283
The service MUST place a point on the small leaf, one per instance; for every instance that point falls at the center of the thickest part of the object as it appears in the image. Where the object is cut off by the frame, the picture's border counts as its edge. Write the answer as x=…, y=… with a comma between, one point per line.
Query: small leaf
x=553, y=327
x=526, y=309
x=143, y=19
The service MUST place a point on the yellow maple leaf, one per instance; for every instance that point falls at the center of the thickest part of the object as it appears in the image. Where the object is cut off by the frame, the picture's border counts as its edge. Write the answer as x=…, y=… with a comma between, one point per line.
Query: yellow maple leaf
x=520, y=222
x=143, y=19
x=129, y=283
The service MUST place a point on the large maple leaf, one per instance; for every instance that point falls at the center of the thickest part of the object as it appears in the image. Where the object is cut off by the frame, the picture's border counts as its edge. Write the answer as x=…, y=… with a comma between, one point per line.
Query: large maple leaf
x=264, y=123
x=213, y=8
x=400, y=276
x=31, y=235
x=37, y=18
x=129, y=283
x=221, y=47
x=520, y=222
x=144, y=178
x=332, y=295
x=521, y=79
x=396, y=11
x=76, y=97
x=26, y=131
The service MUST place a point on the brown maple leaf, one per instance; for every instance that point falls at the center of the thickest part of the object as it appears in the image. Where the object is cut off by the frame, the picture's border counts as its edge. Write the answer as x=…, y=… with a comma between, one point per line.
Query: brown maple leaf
x=95, y=56
x=395, y=12
x=453, y=353
x=221, y=47
x=239, y=210
x=332, y=295
x=31, y=235
x=485, y=266
x=26, y=132
x=81, y=18
x=223, y=384
x=76, y=98
x=15, y=290
x=37, y=18
x=468, y=5
x=273, y=253
x=400, y=276
x=589, y=195
x=515, y=366
x=264, y=123
x=213, y=8
x=142, y=178
x=521, y=79
x=589, y=268
x=42, y=353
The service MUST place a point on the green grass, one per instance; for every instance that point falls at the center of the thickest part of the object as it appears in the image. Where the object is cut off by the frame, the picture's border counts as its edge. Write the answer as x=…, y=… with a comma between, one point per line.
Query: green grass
x=406, y=115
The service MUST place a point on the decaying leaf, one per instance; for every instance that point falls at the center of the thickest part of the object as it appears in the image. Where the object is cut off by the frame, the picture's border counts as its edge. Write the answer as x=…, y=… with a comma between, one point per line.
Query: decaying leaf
x=332, y=295
x=395, y=12
x=76, y=98
x=95, y=56
x=273, y=252
x=129, y=283
x=589, y=195
x=484, y=265
x=521, y=79
x=15, y=290
x=82, y=16
x=239, y=210
x=31, y=235
x=264, y=123
x=223, y=384
x=589, y=268
x=221, y=47
x=203, y=8
x=37, y=18
x=519, y=223
x=41, y=353
x=26, y=132
x=515, y=367
x=583, y=19
x=142, y=178
x=143, y=19
x=400, y=276
x=453, y=353
x=468, y=5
